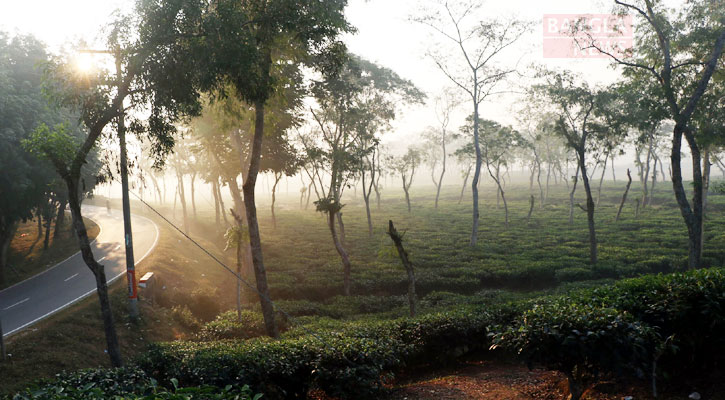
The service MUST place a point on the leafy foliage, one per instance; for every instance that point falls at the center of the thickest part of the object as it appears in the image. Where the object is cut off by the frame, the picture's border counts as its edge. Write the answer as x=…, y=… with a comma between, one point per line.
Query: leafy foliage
x=126, y=384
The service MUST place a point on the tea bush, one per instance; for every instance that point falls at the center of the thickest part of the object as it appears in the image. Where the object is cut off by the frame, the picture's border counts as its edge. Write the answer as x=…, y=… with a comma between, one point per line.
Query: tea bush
x=125, y=384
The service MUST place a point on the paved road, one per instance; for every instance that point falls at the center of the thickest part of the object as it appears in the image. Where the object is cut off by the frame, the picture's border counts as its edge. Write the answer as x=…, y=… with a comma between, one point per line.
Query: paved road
x=50, y=291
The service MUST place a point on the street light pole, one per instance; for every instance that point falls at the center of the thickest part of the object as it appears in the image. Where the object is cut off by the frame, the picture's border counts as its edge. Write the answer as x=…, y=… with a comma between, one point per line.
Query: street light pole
x=126, y=204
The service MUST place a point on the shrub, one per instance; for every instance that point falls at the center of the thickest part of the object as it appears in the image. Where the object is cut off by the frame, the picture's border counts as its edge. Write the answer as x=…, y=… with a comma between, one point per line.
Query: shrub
x=227, y=326
x=581, y=341
x=125, y=384
x=204, y=304
x=688, y=306
x=349, y=363
x=185, y=318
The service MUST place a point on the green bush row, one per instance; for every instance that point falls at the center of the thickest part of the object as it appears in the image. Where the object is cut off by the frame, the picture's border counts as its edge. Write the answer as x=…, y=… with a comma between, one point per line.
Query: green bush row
x=128, y=383
x=634, y=327
x=348, y=363
x=677, y=320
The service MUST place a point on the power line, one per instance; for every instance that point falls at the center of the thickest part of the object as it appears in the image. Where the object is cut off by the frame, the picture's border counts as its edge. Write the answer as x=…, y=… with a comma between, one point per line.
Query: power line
x=249, y=285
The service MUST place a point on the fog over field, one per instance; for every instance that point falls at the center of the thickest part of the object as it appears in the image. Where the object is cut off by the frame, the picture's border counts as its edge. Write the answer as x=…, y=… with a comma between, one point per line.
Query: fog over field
x=362, y=199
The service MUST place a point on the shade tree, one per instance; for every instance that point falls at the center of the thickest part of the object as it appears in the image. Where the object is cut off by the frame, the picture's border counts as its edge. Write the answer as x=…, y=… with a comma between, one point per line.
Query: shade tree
x=677, y=55
x=405, y=167
x=574, y=102
x=472, y=63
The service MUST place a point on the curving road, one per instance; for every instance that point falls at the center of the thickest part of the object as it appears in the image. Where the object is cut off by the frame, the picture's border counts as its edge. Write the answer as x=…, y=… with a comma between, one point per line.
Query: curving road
x=69, y=281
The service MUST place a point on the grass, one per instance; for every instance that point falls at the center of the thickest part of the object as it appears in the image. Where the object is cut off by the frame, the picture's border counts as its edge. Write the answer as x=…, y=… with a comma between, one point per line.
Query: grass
x=27, y=256
x=526, y=260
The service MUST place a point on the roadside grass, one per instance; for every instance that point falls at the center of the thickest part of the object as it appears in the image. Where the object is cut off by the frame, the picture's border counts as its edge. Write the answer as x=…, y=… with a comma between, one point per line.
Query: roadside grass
x=27, y=257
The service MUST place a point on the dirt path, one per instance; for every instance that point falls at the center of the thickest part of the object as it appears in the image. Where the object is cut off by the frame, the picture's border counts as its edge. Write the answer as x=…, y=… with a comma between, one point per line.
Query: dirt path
x=484, y=380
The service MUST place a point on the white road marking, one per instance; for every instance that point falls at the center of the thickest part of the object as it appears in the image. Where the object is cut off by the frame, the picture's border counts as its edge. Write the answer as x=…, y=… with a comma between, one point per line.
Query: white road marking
x=117, y=247
x=102, y=258
x=70, y=277
x=83, y=296
x=20, y=302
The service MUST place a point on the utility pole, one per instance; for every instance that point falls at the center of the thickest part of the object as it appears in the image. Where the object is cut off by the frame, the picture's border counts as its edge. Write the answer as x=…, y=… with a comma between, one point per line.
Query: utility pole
x=126, y=204
x=130, y=264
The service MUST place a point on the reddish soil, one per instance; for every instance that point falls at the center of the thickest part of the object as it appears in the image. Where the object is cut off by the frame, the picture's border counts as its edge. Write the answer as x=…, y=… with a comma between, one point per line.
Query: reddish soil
x=500, y=380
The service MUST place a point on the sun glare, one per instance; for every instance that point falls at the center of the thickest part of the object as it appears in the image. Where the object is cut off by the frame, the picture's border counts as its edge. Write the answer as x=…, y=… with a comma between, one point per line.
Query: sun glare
x=84, y=63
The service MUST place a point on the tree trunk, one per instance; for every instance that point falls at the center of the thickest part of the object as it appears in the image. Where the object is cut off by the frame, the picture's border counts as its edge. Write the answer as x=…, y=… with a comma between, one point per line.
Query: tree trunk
x=531, y=176
x=239, y=282
x=407, y=196
x=590, y=210
x=479, y=162
x=541, y=189
x=691, y=215
x=217, y=216
x=39, y=215
x=341, y=251
x=636, y=208
x=548, y=176
x=614, y=177
x=376, y=181
x=193, y=197
x=576, y=388
x=624, y=197
x=645, y=176
x=182, y=200
x=705, y=188
x=531, y=208
x=309, y=196
x=240, y=262
x=654, y=180
x=222, y=209
x=114, y=351
x=465, y=182
x=443, y=172
x=60, y=218
x=398, y=241
x=367, y=189
x=163, y=183
x=496, y=178
x=571, y=196
x=6, y=236
x=277, y=177
x=601, y=180
x=255, y=238
x=48, y=217
x=341, y=225
x=156, y=186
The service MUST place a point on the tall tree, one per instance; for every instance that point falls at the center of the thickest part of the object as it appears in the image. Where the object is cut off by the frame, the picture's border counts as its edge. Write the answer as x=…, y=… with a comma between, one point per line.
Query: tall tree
x=677, y=54
x=98, y=98
x=438, y=138
x=574, y=102
x=24, y=179
x=354, y=106
x=498, y=144
x=405, y=166
x=478, y=44
x=245, y=45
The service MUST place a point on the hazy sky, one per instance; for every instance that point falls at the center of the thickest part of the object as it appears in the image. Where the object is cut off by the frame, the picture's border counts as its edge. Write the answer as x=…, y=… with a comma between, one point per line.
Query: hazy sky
x=385, y=35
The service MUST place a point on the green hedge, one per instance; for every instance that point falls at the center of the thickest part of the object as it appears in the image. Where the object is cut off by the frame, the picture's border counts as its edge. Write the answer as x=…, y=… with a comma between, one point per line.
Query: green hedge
x=349, y=363
x=612, y=329
x=128, y=383
x=677, y=320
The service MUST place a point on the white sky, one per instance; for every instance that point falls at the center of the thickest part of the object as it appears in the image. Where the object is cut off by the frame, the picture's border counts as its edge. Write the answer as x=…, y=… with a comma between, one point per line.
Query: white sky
x=384, y=35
